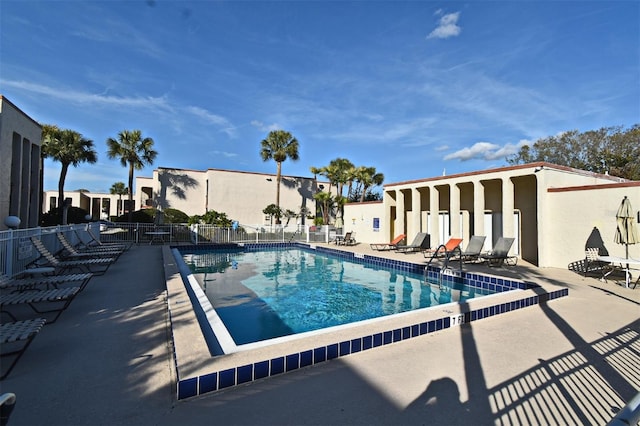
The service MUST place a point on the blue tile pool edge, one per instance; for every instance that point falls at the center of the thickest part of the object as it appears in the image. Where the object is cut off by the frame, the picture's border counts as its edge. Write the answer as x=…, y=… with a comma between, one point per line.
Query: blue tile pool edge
x=215, y=381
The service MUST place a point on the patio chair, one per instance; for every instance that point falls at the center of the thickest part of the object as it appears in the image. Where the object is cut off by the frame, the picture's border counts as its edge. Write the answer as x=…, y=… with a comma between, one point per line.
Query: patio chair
x=421, y=242
x=95, y=241
x=15, y=337
x=446, y=250
x=347, y=240
x=592, y=263
x=94, y=266
x=48, y=281
x=500, y=254
x=72, y=252
x=61, y=297
x=393, y=245
x=472, y=252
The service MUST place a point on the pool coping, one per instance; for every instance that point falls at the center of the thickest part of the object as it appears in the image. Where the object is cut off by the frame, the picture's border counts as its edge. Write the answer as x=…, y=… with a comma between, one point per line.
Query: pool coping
x=199, y=373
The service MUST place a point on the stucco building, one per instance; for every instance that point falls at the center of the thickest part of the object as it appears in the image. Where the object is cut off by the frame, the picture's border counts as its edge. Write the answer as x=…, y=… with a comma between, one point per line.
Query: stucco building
x=241, y=195
x=553, y=212
x=20, y=165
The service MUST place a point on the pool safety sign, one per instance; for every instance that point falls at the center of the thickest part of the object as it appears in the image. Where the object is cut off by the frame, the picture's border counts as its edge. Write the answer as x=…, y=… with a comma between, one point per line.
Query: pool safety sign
x=376, y=224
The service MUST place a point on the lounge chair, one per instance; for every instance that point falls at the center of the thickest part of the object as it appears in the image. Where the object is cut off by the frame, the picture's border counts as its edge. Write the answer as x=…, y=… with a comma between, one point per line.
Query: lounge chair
x=61, y=297
x=500, y=253
x=94, y=266
x=446, y=249
x=73, y=253
x=347, y=239
x=421, y=242
x=15, y=337
x=393, y=245
x=472, y=252
x=96, y=242
x=592, y=263
x=49, y=281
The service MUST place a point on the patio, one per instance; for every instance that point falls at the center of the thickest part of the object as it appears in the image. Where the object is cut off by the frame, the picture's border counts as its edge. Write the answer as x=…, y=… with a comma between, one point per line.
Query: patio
x=108, y=360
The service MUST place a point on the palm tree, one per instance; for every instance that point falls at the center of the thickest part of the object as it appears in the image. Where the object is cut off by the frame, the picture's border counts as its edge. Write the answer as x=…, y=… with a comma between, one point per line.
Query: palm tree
x=69, y=148
x=134, y=151
x=325, y=201
x=278, y=146
x=366, y=177
x=118, y=188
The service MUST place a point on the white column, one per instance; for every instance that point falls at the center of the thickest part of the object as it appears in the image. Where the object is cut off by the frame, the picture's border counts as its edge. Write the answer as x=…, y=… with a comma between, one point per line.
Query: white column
x=454, y=211
x=416, y=208
x=478, y=209
x=434, y=217
x=400, y=213
x=508, y=204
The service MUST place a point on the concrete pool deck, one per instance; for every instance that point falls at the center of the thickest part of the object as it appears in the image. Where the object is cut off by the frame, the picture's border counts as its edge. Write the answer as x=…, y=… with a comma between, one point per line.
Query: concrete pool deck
x=108, y=360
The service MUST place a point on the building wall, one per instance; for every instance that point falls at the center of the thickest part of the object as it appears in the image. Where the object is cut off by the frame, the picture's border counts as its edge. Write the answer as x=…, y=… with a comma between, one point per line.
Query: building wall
x=585, y=216
x=512, y=201
x=241, y=195
x=20, y=165
x=362, y=219
x=98, y=205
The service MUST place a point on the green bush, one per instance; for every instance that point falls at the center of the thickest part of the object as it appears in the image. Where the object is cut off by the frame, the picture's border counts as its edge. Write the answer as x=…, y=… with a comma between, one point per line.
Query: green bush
x=138, y=216
x=211, y=217
x=74, y=215
x=175, y=216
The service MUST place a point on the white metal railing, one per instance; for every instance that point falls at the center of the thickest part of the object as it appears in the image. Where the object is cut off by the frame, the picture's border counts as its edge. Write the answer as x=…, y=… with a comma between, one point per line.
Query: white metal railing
x=17, y=251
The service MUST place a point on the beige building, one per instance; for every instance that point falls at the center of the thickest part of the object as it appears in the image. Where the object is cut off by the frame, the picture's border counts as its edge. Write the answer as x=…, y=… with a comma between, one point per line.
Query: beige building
x=20, y=165
x=99, y=205
x=241, y=195
x=552, y=211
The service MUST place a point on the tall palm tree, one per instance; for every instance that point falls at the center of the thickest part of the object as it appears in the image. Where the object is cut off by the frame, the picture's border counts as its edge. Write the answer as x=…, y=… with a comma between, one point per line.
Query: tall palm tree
x=70, y=149
x=366, y=178
x=118, y=188
x=133, y=151
x=278, y=146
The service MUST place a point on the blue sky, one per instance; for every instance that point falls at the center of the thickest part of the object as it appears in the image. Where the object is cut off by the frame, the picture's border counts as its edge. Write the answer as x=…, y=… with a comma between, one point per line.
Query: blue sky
x=413, y=88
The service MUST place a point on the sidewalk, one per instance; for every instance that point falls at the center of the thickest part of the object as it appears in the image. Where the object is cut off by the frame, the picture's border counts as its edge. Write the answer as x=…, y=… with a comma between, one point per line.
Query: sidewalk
x=107, y=360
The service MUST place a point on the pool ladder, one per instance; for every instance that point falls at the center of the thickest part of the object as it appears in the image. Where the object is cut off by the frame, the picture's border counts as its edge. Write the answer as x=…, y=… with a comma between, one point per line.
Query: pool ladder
x=448, y=257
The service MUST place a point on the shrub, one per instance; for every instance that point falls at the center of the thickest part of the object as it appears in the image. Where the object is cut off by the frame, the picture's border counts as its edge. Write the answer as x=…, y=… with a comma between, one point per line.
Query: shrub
x=74, y=215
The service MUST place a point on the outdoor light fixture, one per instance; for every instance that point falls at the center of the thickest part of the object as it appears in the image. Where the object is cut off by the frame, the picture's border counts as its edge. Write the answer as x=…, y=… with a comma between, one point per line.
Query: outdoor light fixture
x=12, y=222
x=269, y=179
x=537, y=169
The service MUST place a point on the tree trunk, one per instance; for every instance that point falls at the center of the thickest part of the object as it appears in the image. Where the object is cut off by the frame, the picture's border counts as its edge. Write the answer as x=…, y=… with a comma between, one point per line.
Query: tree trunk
x=130, y=215
x=278, y=179
x=61, y=204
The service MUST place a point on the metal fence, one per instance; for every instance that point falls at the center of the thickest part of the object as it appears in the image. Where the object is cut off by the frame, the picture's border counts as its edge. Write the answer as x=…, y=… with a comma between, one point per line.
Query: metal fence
x=17, y=251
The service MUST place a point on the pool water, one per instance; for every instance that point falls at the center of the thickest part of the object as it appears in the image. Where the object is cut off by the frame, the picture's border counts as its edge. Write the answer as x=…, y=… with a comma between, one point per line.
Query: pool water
x=261, y=295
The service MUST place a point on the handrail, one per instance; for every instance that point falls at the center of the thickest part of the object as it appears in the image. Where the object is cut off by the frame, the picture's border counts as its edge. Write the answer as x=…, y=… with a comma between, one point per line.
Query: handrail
x=445, y=265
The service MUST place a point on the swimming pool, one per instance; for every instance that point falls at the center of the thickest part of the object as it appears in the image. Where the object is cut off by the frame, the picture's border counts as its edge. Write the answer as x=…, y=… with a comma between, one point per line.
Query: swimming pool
x=200, y=370
x=273, y=292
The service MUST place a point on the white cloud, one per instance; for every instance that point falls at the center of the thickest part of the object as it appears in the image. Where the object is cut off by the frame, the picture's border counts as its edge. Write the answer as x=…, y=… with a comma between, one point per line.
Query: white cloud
x=224, y=154
x=265, y=127
x=90, y=98
x=486, y=151
x=211, y=118
x=447, y=27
